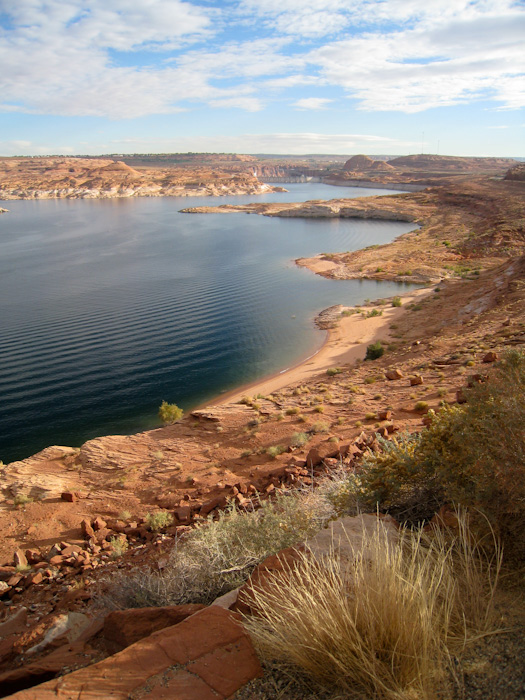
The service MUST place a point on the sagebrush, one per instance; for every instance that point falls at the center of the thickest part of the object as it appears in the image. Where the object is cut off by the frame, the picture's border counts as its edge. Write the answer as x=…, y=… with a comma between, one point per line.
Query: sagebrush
x=220, y=554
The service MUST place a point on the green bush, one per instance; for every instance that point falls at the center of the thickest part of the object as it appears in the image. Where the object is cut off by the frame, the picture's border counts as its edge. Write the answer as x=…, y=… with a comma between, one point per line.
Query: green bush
x=396, y=301
x=299, y=439
x=374, y=351
x=159, y=520
x=276, y=450
x=332, y=371
x=472, y=455
x=170, y=413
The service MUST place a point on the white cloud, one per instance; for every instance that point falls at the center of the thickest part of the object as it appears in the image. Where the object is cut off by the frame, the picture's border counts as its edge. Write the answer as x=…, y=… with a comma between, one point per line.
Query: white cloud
x=452, y=62
x=291, y=143
x=70, y=57
x=312, y=103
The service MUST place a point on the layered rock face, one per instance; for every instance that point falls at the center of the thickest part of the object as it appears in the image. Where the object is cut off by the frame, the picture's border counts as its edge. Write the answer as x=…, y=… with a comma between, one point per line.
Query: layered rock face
x=91, y=178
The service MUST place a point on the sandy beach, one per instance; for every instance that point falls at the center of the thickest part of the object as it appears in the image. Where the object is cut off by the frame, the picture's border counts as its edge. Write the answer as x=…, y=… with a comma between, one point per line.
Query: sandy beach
x=343, y=345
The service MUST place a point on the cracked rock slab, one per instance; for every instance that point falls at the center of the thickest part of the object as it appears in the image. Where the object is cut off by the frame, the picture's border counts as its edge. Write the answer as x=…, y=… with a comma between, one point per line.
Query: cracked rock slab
x=208, y=656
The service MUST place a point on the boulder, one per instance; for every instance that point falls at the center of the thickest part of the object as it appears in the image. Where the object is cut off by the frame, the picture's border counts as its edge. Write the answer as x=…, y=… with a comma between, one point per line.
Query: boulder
x=98, y=524
x=490, y=357
x=69, y=496
x=87, y=529
x=183, y=514
x=125, y=627
x=325, y=449
x=417, y=379
x=20, y=560
x=350, y=535
x=393, y=374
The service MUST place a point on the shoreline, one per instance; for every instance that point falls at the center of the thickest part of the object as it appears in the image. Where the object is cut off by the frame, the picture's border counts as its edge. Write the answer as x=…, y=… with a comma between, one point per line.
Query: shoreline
x=343, y=345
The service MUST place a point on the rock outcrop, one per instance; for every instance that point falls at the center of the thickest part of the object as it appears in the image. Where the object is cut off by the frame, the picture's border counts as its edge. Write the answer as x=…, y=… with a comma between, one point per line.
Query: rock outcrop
x=91, y=178
x=208, y=656
x=517, y=173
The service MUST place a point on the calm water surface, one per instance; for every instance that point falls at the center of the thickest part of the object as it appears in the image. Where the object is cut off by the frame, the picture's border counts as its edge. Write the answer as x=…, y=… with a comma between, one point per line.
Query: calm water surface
x=109, y=306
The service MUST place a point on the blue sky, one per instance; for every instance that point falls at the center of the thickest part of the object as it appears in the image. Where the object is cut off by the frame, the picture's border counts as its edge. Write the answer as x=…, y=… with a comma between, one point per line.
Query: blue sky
x=262, y=76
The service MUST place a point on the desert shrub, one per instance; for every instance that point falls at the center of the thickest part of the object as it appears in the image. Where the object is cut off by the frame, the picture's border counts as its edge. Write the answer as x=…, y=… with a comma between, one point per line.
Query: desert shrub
x=473, y=455
x=119, y=546
x=21, y=500
x=275, y=450
x=396, y=301
x=220, y=554
x=383, y=625
x=373, y=313
x=374, y=351
x=170, y=413
x=293, y=411
x=319, y=427
x=159, y=520
x=319, y=408
x=332, y=371
x=299, y=439
x=342, y=491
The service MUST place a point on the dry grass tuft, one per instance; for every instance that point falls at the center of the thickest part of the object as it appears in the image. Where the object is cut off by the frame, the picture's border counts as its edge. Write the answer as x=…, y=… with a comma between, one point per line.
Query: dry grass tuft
x=383, y=624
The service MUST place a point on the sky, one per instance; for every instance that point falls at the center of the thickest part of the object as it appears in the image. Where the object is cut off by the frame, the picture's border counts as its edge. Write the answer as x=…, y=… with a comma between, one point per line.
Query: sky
x=385, y=77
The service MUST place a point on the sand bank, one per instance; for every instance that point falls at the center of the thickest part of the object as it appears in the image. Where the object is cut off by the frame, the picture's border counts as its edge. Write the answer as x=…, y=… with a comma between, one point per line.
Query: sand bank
x=343, y=345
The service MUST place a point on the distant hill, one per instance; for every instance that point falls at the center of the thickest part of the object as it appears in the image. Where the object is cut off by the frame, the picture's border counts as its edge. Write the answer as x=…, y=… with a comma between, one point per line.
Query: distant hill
x=450, y=163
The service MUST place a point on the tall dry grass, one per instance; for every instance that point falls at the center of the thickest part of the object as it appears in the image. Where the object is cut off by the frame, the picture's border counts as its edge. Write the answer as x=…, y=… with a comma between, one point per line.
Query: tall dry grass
x=382, y=624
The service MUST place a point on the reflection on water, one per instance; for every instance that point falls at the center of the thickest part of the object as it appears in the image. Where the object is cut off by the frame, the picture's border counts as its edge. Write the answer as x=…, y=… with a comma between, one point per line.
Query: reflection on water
x=110, y=306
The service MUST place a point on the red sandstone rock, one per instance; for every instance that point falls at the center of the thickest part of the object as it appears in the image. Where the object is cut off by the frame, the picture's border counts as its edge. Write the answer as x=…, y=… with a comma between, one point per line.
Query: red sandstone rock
x=33, y=556
x=208, y=506
x=264, y=575
x=86, y=528
x=98, y=524
x=183, y=514
x=69, y=496
x=125, y=627
x=35, y=578
x=392, y=374
x=14, y=624
x=208, y=656
x=414, y=381
x=6, y=572
x=385, y=415
x=490, y=357
x=70, y=550
x=325, y=449
x=19, y=559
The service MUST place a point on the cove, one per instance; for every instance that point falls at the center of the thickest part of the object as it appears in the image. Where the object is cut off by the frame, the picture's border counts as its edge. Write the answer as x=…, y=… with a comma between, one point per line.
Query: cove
x=110, y=306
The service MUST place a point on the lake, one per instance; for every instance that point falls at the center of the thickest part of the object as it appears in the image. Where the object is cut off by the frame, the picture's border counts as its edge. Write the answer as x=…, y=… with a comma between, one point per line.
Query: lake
x=108, y=307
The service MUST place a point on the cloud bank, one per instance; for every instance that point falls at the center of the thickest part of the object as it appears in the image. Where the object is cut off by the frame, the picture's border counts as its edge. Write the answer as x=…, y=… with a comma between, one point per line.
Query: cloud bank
x=124, y=59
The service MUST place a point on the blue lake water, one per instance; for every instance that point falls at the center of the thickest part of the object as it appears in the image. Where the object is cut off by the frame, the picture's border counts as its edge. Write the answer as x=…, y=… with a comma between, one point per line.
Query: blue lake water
x=107, y=307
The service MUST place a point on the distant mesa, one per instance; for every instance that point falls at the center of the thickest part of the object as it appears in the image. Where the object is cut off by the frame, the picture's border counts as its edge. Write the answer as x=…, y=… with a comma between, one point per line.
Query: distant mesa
x=381, y=166
x=360, y=162
x=516, y=173
x=435, y=163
